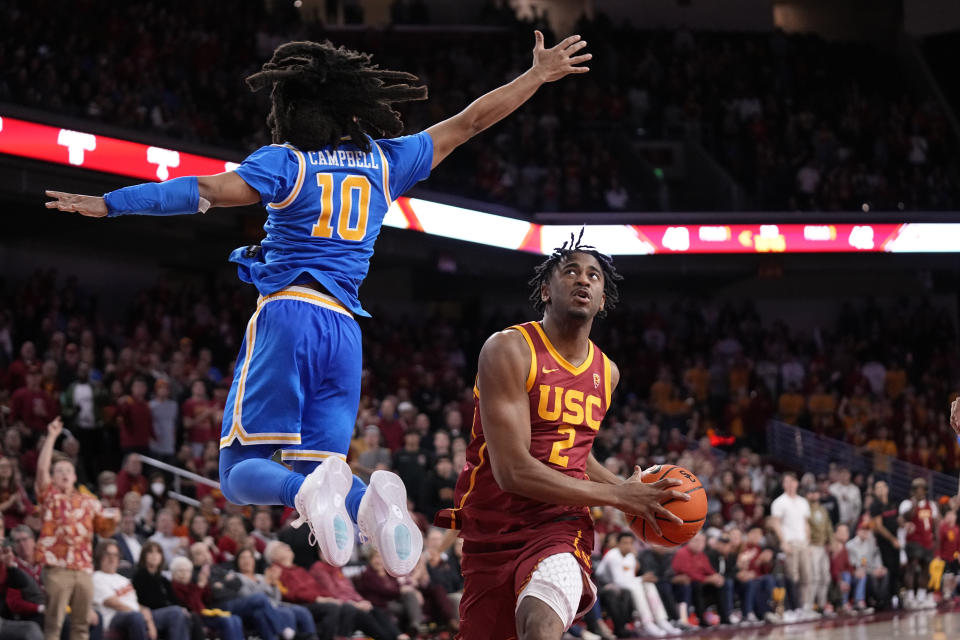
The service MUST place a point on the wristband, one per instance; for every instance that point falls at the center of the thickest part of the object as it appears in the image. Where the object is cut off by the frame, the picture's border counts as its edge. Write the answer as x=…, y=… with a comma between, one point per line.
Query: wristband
x=170, y=198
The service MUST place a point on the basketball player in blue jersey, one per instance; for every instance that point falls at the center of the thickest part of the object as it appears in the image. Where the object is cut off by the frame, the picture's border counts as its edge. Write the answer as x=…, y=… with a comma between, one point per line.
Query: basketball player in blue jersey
x=326, y=185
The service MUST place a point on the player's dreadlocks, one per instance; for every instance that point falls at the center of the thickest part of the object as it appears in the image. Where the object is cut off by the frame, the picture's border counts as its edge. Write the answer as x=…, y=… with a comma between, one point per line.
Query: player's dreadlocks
x=322, y=93
x=544, y=270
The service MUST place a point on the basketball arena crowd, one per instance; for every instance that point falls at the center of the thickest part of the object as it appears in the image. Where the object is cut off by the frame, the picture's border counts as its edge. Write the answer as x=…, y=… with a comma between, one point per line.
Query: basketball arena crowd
x=801, y=123
x=777, y=547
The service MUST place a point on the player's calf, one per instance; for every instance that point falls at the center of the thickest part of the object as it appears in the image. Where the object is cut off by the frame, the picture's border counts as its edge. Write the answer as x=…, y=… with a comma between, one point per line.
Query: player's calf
x=536, y=620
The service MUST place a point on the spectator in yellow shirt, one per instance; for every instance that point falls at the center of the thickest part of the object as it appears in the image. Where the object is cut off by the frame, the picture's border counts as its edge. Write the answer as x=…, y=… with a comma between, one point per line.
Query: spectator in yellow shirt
x=790, y=405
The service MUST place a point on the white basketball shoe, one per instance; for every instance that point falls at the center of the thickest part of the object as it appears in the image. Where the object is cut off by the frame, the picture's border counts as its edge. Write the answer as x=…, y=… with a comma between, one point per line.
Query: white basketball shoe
x=321, y=504
x=384, y=520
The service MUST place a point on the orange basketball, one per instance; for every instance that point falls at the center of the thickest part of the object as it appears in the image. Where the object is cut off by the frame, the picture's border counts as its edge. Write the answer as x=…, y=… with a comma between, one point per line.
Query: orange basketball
x=693, y=513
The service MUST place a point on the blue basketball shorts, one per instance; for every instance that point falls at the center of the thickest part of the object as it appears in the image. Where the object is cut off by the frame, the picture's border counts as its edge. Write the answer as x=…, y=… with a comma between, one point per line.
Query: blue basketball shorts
x=297, y=380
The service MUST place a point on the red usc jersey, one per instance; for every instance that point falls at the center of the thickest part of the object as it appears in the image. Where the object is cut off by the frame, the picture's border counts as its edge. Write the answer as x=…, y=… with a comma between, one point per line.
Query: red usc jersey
x=923, y=515
x=567, y=405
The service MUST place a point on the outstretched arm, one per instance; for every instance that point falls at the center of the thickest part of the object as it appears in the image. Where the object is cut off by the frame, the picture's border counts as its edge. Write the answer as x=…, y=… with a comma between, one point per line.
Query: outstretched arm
x=548, y=65
x=173, y=197
x=54, y=429
x=505, y=413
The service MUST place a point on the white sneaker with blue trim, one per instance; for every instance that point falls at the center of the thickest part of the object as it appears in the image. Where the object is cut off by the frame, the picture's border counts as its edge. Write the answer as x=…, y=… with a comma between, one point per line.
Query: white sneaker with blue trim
x=384, y=520
x=321, y=504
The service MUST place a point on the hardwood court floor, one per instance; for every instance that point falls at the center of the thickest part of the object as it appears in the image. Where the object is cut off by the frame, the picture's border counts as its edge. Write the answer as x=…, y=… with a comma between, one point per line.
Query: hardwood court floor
x=916, y=625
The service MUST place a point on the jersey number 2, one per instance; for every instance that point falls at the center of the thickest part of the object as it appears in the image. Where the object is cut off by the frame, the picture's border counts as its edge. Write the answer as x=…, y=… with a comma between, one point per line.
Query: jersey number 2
x=323, y=228
x=560, y=445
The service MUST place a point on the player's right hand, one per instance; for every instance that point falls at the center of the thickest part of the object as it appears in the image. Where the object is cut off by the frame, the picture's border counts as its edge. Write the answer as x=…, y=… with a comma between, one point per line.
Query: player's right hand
x=90, y=206
x=55, y=428
x=645, y=499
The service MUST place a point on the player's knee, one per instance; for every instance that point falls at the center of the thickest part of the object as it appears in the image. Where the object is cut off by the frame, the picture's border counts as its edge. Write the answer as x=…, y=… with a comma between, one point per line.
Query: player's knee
x=225, y=486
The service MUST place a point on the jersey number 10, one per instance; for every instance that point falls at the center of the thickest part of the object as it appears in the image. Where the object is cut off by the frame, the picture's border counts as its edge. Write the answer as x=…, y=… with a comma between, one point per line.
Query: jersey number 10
x=350, y=183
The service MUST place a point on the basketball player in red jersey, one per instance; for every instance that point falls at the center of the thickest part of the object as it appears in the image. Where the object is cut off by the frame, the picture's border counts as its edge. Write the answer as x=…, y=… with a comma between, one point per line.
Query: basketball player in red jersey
x=521, y=502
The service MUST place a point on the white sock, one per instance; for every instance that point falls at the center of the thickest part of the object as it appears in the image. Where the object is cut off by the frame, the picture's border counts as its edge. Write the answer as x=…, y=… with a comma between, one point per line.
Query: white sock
x=288, y=633
x=921, y=594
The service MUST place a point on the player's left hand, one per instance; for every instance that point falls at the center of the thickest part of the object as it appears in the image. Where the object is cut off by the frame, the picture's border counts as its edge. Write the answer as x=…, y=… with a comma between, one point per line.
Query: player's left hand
x=559, y=61
x=955, y=415
x=90, y=206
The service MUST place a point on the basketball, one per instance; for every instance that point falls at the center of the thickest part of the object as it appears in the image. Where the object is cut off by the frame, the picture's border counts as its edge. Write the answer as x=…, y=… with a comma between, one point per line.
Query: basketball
x=693, y=513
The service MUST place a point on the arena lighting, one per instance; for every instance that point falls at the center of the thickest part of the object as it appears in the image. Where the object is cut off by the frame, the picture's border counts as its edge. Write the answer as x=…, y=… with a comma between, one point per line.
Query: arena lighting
x=126, y=158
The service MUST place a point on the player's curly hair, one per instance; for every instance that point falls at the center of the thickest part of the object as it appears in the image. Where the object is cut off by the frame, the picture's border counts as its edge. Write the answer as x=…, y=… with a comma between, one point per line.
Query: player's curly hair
x=544, y=270
x=322, y=93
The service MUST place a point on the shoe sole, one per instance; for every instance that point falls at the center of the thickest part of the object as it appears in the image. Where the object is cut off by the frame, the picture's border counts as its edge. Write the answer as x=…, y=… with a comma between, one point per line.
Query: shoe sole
x=334, y=530
x=394, y=533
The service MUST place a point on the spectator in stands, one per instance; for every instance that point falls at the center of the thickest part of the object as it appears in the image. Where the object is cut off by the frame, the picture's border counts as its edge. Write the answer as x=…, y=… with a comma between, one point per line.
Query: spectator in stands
x=828, y=500
x=920, y=519
x=355, y=611
x=948, y=550
x=234, y=538
x=66, y=538
x=173, y=545
x=193, y=594
x=164, y=413
x=384, y=591
x=225, y=587
x=699, y=581
x=443, y=568
x=136, y=419
x=299, y=587
x=129, y=542
x=154, y=590
x=885, y=523
x=848, y=497
x=293, y=616
x=262, y=533
x=619, y=566
x=27, y=627
x=865, y=558
x=722, y=553
x=754, y=563
x=130, y=477
x=117, y=602
x=656, y=565
x=851, y=580
x=438, y=487
x=821, y=533
x=790, y=517
x=25, y=597
x=15, y=505
x=198, y=413
x=32, y=407
x=373, y=456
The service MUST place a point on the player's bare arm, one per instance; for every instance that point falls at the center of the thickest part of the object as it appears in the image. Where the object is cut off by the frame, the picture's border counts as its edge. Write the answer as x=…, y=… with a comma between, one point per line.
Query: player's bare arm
x=54, y=429
x=505, y=414
x=548, y=65
x=220, y=190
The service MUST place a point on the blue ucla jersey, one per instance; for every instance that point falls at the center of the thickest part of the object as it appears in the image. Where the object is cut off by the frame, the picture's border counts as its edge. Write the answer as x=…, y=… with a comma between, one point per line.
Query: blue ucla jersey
x=325, y=209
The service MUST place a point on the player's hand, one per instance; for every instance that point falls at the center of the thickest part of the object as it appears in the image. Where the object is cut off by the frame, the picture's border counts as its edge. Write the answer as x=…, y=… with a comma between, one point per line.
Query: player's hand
x=646, y=500
x=955, y=415
x=55, y=428
x=559, y=61
x=90, y=206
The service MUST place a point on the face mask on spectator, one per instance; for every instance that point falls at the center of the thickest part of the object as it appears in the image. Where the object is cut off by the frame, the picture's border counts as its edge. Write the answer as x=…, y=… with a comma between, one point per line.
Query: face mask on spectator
x=157, y=488
x=109, y=489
